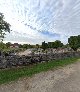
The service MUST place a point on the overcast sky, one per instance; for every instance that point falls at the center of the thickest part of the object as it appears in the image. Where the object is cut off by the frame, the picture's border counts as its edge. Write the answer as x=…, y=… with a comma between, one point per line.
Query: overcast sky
x=34, y=21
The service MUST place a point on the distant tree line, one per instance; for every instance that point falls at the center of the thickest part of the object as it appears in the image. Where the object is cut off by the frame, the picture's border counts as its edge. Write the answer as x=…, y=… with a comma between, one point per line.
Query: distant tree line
x=9, y=44
x=73, y=42
x=55, y=44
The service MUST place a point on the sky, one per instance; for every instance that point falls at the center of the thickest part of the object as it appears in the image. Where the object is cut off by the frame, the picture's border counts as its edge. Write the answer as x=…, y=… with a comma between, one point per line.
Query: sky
x=35, y=21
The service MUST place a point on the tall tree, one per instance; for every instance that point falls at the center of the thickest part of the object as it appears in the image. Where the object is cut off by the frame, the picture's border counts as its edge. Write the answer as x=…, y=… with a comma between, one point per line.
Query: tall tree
x=74, y=42
x=4, y=27
x=44, y=45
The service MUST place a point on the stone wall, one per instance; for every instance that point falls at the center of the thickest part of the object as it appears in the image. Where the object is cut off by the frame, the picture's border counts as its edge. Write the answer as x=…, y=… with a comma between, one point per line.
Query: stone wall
x=10, y=61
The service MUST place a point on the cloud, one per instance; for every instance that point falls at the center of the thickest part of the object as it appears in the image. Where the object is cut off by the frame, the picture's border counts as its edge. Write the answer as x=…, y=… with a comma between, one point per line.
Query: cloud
x=35, y=21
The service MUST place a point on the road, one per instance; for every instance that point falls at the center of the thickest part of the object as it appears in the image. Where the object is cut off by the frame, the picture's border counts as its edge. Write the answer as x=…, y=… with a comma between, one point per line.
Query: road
x=66, y=79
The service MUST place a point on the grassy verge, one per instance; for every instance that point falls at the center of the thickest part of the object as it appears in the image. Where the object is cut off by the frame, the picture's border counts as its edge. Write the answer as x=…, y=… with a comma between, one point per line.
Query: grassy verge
x=14, y=74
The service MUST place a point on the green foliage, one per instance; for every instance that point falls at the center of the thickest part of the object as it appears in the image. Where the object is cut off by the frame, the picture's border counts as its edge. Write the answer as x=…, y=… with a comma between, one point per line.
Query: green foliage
x=78, y=38
x=55, y=44
x=37, y=46
x=2, y=46
x=44, y=45
x=50, y=44
x=14, y=74
x=74, y=42
x=8, y=44
x=20, y=46
x=66, y=46
x=4, y=26
x=25, y=46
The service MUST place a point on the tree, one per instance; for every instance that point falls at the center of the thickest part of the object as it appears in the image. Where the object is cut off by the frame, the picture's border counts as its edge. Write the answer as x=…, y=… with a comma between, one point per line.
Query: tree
x=2, y=46
x=78, y=40
x=74, y=42
x=4, y=27
x=44, y=45
x=25, y=46
x=37, y=46
x=20, y=46
x=50, y=44
x=57, y=44
x=8, y=44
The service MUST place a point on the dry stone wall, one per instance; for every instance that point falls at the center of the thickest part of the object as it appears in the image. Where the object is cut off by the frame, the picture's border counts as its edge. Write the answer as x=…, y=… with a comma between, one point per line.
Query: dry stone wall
x=10, y=61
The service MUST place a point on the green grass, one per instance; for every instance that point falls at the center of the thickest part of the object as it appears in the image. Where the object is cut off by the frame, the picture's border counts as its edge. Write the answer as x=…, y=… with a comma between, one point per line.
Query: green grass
x=14, y=74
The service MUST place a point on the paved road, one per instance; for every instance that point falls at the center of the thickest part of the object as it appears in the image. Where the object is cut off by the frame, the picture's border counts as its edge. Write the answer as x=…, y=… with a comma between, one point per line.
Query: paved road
x=66, y=79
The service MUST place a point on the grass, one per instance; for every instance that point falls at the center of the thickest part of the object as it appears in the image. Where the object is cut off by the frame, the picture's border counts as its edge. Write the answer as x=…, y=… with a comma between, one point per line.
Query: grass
x=14, y=74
